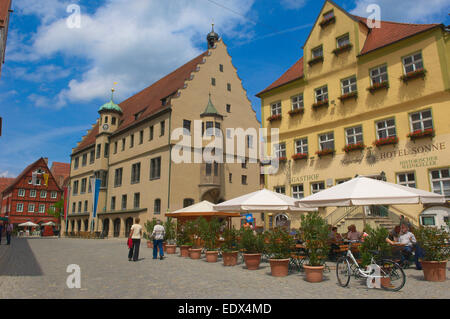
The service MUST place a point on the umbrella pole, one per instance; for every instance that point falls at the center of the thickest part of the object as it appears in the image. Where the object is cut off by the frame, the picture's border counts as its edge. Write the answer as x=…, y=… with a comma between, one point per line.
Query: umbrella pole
x=364, y=217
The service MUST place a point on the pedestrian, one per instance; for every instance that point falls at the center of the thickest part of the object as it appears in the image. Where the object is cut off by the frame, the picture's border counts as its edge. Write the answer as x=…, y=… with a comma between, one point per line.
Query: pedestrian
x=135, y=235
x=8, y=230
x=158, y=237
x=1, y=231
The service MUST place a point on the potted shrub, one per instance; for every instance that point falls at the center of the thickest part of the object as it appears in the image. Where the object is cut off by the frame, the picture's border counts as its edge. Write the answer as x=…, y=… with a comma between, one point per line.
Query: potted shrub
x=279, y=249
x=253, y=246
x=149, y=225
x=230, y=247
x=209, y=232
x=433, y=241
x=170, y=227
x=195, y=252
x=315, y=233
x=183, y=240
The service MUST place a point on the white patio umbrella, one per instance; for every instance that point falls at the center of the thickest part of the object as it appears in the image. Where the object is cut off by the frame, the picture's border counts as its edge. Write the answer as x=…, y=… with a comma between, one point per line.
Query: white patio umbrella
x=48, y=224
x=28, y=224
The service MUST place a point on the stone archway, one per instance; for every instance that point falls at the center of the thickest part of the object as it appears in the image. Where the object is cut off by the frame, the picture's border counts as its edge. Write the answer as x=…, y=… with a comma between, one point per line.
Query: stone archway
x=117, y=227
x=128, y=224
x=86, y=224
x=211, y=195
x=105, y=227
x=79, y=225
x=283, y=221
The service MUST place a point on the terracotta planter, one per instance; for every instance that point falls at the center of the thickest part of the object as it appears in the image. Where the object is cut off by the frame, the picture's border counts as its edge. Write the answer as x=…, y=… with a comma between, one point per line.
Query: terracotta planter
x=230, y=259
x=252, y=261
x=314, y=273
x=385, y=282
x=279, y=267
x=149, y=243
x=211, y=256
x=195, y=253
x=170, y=249
x=434, y=270
x=184, y=251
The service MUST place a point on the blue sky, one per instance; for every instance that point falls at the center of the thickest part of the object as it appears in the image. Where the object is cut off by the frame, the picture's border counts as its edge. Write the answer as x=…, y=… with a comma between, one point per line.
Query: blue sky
x=55, y=77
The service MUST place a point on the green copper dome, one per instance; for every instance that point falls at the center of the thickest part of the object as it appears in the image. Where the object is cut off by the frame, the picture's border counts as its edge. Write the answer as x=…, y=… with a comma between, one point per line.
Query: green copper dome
x=210, y=109
x=111, y=107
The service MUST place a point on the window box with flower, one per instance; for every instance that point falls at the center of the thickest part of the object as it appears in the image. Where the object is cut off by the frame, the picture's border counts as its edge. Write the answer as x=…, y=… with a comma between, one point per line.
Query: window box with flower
x=349, y=95
x=378, y=86
x=320, y=103
x=274, y=117
x=327, y=21
x=354, y=147
x=299, y=156
x=282, y=159
x=324, y=152
x=315, y=60
x=343, y=48
x=386, y=141
x=293, y=112
x=421, y=133
x=420, y=73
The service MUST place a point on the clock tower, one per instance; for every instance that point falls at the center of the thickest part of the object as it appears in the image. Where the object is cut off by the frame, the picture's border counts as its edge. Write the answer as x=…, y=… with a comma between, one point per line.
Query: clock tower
x=110, y=114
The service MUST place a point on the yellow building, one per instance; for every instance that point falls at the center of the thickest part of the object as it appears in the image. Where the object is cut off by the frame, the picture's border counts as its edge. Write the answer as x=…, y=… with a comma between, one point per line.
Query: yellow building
x=363, y=100
x=129, y=148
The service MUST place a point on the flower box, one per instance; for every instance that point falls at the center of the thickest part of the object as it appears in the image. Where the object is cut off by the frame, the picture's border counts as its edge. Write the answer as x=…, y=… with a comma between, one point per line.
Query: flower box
x=324, y=152
x=299, y=156
x=386, y=141
x=348, y=96
x=419, y=133
x=282, y=159
x=297, y=111
x=353, y=147
x=320, y=103
x=328, y=21
x=346, y=47
x=274, y=117
x=378, y=86
x=315, y=60
x=413, y=75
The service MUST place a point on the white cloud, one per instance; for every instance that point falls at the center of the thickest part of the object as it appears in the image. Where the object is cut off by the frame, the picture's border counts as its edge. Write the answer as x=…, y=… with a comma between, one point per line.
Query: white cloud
x=421, y=11
x=47, y=73
x=293, y=4
x=133, y=43
x=6, y=174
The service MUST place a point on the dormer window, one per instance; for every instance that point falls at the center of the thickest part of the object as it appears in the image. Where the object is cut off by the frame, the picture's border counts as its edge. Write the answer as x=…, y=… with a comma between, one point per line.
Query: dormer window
x=328, y=18
x=164, y=101
x=138, y=114
x=328, y=15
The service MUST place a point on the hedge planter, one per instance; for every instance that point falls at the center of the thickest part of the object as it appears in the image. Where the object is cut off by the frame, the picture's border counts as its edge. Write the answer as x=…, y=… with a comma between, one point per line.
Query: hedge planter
x=184, y=250
x=195, y=253
x=230, y=259
x=314, y=273
x=211, y=256
x=279, y=267
x=170, y=249
x=252, y=261
x=434, y=270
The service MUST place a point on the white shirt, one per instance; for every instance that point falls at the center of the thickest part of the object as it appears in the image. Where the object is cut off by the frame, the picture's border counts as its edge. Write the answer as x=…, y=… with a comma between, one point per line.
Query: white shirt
x=136, y=228
x=407, y=239
x=158, y=232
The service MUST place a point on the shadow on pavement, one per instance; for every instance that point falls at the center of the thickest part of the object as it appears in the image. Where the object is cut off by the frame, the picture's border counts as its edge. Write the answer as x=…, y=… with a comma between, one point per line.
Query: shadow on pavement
x=18, y=259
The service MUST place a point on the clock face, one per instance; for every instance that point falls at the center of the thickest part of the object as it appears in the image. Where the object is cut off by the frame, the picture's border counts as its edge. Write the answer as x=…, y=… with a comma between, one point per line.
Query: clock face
x=105, y=126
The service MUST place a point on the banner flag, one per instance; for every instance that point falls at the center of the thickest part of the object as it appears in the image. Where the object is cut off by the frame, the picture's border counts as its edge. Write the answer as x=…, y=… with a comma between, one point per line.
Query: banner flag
x=45, y=179
x=34, y=178
x=95, y=184
x=66, y=203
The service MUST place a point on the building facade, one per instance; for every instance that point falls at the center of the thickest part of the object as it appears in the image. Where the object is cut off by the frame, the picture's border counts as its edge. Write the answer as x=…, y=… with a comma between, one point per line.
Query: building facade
x=129, y=148
x=30, y=196
x=362, y=100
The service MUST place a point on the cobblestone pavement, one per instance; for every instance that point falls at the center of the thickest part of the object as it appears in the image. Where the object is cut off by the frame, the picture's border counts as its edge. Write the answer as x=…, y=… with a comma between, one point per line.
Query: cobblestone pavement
x=36, y=268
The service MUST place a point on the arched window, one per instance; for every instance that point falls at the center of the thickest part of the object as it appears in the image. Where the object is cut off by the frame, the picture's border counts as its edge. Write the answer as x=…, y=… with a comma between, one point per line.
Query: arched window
x=157, y=209
x=282, y=220
x=188, y=202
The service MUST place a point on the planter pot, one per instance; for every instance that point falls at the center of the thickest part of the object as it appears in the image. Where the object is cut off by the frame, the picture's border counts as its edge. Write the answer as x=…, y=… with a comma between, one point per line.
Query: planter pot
x=195, y=253
x=279, y=267
x=164, y=246
x=385, y=282
x=184, y=251
x=211, y=256
x=252, y=261
x=149, y=243
x=230, y=259
x=314, y=273
x=434, y=270
x=170, y=249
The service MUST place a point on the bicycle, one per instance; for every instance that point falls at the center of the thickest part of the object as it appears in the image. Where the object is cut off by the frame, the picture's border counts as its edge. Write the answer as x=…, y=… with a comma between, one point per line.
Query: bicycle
x=392, y=276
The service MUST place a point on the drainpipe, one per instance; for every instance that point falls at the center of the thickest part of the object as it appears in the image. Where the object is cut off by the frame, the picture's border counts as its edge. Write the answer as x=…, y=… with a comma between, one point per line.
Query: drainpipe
x=170, y=160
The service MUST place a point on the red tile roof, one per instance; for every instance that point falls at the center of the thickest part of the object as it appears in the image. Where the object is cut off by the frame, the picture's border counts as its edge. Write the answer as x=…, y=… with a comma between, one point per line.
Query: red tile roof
x=149, y=99
x=5, y=5
x=5, y=182
x=60, y=172
x=21, y=175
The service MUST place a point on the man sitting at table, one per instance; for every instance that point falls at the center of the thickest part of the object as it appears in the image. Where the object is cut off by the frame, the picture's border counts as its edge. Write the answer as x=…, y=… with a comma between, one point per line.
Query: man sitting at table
x=333, y=239
x=352, y=234
x=409, y=240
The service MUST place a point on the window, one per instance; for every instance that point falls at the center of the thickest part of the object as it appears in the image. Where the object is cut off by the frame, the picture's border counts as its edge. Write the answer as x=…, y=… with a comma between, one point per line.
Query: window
x=123, y=144
x=113, y=203
x=124, y=202
x=155, y=168
x=151, y=133
x=84, y=160
x=297, y=191
x=19, y=208
x=421, y=121
x=317, y=187
x=38, y=181
x=74, y=206
x=229, y=87
x=76, y=163
x=83, y=186
x=321, y=94
x=440, y=181
x=99, y=149
x=163, y=125
x=137, y=199
x=89, y=184
x=157, y=206
x=275, y=108
x=229, y=108
x=31, y=208
x=92, y=157
x=348, y=85
x=79, y=207
x=53, y=194
x=317, y=52
x=106, y=150
x=379, y=74
x=412, y=63
x=208, y=169
x=301, y=146
x=221, y=67
x=115, y=147
x=297, y=102
x=187, y=127
x=216, y=169
x=230, y=177
x=41, y=208
x=113, y=121
x=354, y=135
x=103, y=177
x=118, y=177
x=131, y=140
x=342, y=41
x=326, y=141
x=213, y=81
x=280, y=189
x=106, y=119
x=135, y=173
x=75, y=187
x=406, y=179
x=428, y=221
x=328, y=15
x=85, y=206
x=209, y=128
x=280, y=150
x=386, y=128
x=244, y=179
x=21, y=193
x=188, y=202
x=250, y=141
x=141, y=137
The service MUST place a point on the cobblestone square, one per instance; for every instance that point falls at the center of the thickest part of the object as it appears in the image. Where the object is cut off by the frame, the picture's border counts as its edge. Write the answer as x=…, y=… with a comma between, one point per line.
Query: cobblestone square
x=36, y=268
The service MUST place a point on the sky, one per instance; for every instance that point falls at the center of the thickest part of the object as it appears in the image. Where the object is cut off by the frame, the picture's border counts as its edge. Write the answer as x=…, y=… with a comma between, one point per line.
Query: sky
x=59, y=69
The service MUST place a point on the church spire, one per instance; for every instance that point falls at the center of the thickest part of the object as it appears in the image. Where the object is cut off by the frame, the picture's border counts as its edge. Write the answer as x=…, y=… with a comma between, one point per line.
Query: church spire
x=212, y=37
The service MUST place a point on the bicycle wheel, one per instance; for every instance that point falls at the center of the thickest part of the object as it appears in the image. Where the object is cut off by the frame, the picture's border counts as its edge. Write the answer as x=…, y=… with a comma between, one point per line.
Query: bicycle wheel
x=392, y=275
x=343, y=271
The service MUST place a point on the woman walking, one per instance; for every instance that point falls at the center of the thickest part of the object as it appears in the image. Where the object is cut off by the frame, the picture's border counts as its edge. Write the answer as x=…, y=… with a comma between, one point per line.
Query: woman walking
x=135, y=235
